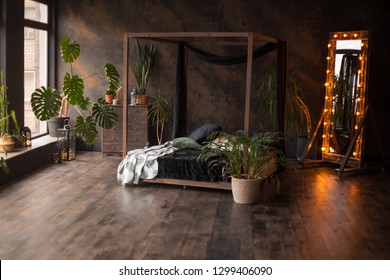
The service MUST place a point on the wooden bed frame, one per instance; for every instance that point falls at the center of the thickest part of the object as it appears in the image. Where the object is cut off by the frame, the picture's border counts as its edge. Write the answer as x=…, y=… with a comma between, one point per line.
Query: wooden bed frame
x=248, y=39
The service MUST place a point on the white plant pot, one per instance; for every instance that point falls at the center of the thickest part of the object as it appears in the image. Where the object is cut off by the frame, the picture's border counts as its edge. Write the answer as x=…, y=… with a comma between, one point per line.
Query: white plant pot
x=246, y=191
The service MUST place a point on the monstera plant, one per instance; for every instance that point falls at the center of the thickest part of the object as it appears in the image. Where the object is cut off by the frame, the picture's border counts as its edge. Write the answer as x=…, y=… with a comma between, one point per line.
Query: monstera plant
x=48, y=102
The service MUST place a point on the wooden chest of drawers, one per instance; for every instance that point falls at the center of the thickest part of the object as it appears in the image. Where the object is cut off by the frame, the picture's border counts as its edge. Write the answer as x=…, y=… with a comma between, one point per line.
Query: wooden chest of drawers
x=137, y=130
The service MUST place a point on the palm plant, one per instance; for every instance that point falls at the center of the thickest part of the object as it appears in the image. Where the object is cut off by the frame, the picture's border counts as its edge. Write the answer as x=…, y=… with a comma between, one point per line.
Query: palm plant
x=48, y=102
x=141, y=68
x=244, y=156
x=296, y=112
x=158, y=114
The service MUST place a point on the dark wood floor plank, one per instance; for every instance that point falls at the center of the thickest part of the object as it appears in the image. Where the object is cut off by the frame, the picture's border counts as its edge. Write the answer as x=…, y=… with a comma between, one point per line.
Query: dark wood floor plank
x=77, y=210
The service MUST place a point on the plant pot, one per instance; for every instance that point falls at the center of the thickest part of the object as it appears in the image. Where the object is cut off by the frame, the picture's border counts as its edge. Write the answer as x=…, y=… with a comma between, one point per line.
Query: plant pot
x=7, y=144
x=142, y=99
x=246, y=191
x=109, y=98
x=54, y=124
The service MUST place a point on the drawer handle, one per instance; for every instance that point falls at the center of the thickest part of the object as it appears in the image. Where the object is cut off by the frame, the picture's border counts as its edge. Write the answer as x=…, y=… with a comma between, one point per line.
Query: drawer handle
x=114, y=128
x=136, y=128
x=114, y=138
x=113, y=148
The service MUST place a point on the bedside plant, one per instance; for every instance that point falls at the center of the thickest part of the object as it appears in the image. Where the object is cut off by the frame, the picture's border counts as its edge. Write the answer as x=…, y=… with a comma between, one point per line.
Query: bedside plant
x=158, y=114
x=48, y=102
x=248, y=160
x=141, y=68
x=112, y=77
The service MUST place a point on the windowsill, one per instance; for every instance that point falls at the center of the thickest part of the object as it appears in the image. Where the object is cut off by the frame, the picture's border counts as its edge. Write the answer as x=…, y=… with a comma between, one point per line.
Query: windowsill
x=35, y=143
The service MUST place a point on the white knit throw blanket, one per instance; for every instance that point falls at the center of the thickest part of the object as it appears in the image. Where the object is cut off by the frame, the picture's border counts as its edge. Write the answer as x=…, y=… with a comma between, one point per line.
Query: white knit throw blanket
x=142, y=163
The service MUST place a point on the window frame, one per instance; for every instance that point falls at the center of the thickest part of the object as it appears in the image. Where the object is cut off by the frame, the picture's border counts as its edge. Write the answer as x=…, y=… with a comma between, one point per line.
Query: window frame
x=50, y=28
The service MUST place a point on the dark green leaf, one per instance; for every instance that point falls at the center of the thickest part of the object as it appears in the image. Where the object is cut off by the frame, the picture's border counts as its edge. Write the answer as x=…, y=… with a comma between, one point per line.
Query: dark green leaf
x=86, y=128
x=103, y=114
x=112, y=76
x=73, y=89
x=70, y=51
x=46, y=103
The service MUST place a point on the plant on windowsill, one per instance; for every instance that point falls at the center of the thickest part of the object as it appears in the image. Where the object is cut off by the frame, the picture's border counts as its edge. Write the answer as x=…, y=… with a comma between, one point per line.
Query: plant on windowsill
x=48, y=103
x=7, y=136
x=141, y=70
x=250, y=160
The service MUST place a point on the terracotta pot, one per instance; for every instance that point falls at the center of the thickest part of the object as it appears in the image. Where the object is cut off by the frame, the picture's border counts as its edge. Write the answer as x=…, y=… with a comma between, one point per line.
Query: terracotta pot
x=109, y=98
x=7, y=144
x=245, y=191
x=142, y=99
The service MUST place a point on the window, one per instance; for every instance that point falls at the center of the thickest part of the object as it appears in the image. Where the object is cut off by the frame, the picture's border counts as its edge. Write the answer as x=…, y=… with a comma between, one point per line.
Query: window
x=36, y=59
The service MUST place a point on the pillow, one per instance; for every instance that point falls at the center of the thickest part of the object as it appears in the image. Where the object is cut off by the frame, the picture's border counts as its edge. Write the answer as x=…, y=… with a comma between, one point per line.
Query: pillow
x=201, y=133
x=185, y=143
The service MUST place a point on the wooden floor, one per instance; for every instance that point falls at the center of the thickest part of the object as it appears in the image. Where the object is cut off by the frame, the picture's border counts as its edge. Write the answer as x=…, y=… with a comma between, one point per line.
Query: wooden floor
x=77, y=210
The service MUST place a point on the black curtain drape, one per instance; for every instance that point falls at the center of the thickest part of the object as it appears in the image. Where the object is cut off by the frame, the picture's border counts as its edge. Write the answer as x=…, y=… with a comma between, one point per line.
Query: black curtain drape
x=180, y=100
x=179, y=126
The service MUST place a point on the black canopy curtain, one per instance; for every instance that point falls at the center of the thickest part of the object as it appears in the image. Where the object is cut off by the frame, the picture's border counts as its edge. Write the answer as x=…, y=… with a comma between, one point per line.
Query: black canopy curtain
x=180, y=98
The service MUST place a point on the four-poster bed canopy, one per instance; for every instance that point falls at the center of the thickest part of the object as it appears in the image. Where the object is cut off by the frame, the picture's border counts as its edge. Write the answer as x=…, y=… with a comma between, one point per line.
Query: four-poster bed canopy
x=255, y=44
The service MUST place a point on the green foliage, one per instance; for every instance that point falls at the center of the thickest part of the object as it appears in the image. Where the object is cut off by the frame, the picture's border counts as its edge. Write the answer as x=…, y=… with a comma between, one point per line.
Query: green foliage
x=112, y=77
x=48, y=103
x=242, y=155
x=296, y=112
x=3, y=165
x=158, y=114
x=141, y=68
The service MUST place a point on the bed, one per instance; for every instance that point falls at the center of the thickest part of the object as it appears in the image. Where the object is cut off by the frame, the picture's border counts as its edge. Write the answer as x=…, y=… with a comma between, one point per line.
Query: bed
x=180, y=167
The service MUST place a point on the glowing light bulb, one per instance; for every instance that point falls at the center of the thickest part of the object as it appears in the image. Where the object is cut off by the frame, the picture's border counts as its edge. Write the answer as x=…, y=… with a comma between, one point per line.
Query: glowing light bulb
x=357, y=113
x=355, y=154
x=323, y=149
x=328, y=71
x=328, y=58
x=345, y=35
x=327, y=84
x=356, y=127
x=355, y=35
x=330, y=45
x=324, y=136
x=335, y=36
x=326, y=110
x=325, y=123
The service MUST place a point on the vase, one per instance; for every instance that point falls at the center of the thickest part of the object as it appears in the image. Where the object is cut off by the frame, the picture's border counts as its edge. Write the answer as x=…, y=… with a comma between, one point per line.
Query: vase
x=109, y=98
x=142, y=99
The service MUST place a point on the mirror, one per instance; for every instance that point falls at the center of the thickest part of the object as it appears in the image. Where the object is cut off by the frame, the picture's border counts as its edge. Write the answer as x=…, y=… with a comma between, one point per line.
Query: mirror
x=345, y=97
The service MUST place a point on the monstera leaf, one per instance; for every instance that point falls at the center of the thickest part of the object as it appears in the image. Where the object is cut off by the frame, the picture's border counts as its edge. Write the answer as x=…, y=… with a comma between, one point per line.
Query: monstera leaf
x=103, y=114
x=86, y=103
x=112, y=76
x=46, y=103
x=73, y=89
x=86, y=128
x=70, y=51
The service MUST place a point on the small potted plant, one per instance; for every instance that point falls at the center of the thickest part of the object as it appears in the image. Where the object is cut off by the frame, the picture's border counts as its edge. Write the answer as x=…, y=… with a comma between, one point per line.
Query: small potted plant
x=248, y=160
x=48, y=103
x=112, y=77
x=141, y=69
x=7, y=136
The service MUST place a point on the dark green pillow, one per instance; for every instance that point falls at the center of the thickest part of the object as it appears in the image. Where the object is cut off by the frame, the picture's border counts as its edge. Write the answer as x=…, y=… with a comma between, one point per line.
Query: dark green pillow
x=185, y=143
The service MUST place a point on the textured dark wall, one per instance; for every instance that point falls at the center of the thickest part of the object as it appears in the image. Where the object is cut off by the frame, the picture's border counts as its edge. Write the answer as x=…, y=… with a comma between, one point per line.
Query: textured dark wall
x=216, y=93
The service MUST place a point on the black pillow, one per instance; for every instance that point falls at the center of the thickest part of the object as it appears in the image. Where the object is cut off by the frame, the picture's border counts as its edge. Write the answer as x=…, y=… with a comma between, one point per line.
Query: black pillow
x=201, y=133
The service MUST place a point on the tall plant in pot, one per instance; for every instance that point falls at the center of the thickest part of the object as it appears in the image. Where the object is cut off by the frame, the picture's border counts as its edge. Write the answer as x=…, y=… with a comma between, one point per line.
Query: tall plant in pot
x=248, y=160
x=141, y=69
x=48, y=102
x=7, y=135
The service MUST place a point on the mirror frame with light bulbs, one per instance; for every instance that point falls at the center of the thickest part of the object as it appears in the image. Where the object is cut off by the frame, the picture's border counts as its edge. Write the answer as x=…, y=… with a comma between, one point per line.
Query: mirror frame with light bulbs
x=353, y=155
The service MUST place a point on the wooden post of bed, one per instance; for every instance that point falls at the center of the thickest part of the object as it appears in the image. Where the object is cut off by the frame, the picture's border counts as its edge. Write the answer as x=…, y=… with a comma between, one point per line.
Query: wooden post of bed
x=248, y=82
x=125, y=92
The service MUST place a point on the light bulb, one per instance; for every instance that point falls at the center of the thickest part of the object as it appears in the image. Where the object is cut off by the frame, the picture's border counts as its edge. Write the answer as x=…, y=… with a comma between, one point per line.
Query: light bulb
x=324, y=136
x=355, y=35
x=335, y=35
x=323, y=149
x=345, y=35
x=328, y=58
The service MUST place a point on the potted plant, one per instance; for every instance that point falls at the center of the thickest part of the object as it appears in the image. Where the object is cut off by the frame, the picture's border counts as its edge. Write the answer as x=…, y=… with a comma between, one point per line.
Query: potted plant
x=158, y=114
x=141, y=69
x=7, y=136
x=297, y=114
x=48, y=102
x=248, y=160
x=112, y=77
